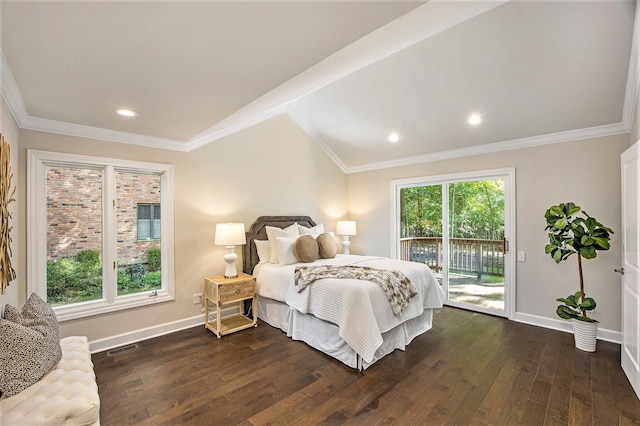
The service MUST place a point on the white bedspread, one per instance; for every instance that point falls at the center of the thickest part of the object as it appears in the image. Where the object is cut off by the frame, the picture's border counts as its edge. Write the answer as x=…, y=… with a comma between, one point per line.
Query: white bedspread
x=359, y=308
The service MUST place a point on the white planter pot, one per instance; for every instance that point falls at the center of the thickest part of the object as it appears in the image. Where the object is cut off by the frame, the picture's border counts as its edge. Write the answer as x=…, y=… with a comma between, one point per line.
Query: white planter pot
x=585, y=334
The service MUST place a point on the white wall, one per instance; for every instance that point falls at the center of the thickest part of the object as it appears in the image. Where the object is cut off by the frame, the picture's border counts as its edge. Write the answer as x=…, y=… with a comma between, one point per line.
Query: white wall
x=9, y=130
x=270, y=169
x=586, y=172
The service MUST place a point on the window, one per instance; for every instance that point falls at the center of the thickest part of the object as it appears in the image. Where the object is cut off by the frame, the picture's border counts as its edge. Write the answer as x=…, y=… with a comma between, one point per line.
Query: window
x=102, y=221
x=149, y=221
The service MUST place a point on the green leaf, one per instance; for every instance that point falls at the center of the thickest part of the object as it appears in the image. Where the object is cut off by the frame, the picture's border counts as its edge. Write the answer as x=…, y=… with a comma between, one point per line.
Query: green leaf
x=561, y=223
x=586, y=240
x=588, y=252
x=556, y=210
x=549, y=248
x=566, y=312
x=588, y=304
x=602, y=242
x=573, y=209
x=557, y=255
x=570, y=301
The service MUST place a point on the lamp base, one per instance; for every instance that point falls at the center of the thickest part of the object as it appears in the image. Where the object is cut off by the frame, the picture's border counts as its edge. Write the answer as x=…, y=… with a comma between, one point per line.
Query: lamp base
x=346, y=244
x=230, y=258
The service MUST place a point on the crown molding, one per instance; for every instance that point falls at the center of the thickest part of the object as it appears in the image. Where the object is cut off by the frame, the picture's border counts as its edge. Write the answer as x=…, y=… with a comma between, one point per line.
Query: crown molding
x=11, y=93
x=316, y=138
x=571, y=135
x=89, y=132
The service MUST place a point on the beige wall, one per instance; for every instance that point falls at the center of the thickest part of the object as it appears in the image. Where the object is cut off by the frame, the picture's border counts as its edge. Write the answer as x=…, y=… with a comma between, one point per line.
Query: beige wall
x=586, y=172
x=271, y=168
x=274, y=168
x=9, y=130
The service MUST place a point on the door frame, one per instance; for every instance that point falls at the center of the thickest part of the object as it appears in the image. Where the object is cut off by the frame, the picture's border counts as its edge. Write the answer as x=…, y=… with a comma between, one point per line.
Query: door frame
x=509, y=176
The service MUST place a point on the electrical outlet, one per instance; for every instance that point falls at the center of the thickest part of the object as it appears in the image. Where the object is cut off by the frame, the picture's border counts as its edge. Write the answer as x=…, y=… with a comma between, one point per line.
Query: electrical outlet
x=197, y=298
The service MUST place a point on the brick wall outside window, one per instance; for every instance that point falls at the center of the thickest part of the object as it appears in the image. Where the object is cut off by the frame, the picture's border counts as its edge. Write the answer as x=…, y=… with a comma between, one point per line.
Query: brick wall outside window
x=134, y=189
x=74, y=212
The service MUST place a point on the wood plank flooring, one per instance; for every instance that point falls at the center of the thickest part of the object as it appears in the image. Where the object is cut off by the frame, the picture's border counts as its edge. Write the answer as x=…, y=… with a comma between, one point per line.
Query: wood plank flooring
x=470, y=369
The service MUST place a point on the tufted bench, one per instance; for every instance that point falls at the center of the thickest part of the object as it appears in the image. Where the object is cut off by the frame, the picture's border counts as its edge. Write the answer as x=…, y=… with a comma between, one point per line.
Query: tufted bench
x=67, y=395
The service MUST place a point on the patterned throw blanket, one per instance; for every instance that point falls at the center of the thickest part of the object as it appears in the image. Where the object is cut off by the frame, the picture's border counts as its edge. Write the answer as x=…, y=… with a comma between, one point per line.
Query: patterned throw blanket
x=396, y=286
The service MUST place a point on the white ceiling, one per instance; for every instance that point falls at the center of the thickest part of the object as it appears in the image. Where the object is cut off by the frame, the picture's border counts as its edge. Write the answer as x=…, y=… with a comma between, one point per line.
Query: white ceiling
x=348, y=72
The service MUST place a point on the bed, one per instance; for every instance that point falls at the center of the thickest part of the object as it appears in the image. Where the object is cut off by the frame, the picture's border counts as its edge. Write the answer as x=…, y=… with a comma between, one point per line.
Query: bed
x=351, y=320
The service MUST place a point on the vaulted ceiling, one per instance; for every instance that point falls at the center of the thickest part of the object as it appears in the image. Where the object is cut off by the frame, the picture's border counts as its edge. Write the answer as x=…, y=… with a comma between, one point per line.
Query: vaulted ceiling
x=349, y=73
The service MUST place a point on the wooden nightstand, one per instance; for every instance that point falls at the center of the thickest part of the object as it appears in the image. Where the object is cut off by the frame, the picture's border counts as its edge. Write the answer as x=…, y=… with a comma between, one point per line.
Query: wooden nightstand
x=221, y=291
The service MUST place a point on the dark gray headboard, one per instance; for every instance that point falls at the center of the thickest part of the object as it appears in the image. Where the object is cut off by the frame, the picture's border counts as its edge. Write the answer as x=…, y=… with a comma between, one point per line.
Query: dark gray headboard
x=259, y=232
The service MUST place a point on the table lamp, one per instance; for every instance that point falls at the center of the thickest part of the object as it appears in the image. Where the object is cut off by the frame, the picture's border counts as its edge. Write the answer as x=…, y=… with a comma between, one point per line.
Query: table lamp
x=230, y=235
x=345, y=228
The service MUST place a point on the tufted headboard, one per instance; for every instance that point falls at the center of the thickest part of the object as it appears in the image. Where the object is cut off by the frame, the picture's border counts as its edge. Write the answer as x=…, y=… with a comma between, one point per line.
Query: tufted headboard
x=259, y=232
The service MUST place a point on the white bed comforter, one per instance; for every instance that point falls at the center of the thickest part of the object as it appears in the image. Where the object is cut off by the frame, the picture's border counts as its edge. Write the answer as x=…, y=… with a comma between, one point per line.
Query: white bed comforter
x=359, y=308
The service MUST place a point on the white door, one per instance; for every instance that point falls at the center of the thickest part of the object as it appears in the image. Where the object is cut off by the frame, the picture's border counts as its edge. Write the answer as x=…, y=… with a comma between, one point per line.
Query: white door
x=630, y=168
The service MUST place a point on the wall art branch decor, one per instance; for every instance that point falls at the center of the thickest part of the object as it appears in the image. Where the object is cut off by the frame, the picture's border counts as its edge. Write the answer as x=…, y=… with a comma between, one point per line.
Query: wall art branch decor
x=7, y=192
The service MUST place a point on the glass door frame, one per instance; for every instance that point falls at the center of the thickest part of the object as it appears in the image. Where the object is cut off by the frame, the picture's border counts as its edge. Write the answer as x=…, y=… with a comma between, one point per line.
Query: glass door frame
x=509, y=176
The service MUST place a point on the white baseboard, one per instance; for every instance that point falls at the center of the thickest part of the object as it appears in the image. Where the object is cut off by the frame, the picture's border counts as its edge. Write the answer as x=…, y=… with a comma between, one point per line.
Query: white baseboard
x=563, y=325
x=171, y=327
x=107, y=343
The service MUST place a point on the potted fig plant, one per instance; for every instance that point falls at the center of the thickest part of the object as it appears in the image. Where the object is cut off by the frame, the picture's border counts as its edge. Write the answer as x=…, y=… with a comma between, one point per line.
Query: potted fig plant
x=573, y=231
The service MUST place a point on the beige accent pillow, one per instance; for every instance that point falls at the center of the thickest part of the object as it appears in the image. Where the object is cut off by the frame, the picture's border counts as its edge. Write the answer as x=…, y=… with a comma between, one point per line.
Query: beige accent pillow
x=275, y=232
x=306, y=248
x=327, y=246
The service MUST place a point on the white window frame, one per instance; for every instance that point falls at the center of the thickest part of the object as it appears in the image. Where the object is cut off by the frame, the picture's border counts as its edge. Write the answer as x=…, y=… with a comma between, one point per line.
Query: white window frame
x=509, y=176
x=37, y=162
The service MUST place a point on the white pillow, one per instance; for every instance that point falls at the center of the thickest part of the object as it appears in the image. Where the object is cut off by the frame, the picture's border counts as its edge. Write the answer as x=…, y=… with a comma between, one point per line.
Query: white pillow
x=318, y=229
x=285, y=245
x=262, y=247
x=275, y=232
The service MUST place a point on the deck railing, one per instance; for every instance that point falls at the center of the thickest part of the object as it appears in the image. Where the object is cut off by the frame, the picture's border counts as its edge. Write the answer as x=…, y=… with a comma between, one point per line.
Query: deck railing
x=465, y=254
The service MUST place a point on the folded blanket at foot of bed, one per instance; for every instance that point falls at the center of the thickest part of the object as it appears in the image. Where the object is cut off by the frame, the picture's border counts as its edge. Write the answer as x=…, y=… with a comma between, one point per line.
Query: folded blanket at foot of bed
x=396, y=286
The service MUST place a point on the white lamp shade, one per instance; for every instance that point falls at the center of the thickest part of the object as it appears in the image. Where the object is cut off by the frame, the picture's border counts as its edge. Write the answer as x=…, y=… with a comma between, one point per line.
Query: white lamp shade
x=346, y=227
x=230, y=234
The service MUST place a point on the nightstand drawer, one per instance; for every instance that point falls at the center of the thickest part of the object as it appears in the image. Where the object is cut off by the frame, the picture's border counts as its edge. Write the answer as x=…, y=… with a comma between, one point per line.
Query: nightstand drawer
x=235, y=291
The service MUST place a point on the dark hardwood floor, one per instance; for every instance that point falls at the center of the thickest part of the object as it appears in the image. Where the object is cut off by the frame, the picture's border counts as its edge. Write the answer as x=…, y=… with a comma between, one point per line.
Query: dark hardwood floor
x=469, y=369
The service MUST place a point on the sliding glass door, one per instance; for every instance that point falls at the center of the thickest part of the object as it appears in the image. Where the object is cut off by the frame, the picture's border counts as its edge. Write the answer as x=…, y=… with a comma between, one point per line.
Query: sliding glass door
x=459, y=226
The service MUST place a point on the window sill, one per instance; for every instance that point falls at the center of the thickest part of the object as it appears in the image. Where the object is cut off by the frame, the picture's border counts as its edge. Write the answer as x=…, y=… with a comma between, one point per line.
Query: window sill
x=99, y=307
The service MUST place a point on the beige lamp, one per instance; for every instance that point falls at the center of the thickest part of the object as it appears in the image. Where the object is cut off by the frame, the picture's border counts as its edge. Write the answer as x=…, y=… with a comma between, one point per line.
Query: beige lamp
x=230, y=235
x=346, y=228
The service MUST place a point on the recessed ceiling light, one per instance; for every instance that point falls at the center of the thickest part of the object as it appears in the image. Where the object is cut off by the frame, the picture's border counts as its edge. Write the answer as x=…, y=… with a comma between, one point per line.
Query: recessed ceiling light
x=394, y=137
x=126, y=112
x=474, y=119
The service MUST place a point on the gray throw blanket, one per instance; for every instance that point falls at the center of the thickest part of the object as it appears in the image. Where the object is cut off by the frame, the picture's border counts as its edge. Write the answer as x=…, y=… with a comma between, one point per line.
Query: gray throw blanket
x=396, y=286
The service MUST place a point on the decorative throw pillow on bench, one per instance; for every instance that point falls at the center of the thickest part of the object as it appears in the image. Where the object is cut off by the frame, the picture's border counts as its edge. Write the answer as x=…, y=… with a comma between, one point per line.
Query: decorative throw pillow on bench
x=29, y=345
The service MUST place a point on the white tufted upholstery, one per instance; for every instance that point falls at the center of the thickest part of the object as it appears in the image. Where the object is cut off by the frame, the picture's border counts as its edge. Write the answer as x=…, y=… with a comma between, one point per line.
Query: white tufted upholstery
x=67, y=395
